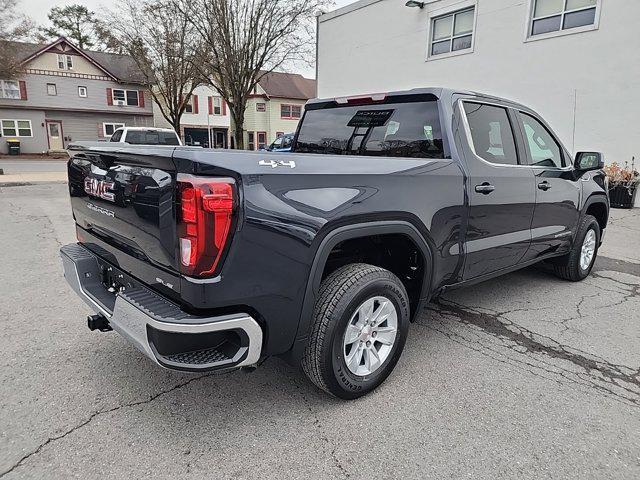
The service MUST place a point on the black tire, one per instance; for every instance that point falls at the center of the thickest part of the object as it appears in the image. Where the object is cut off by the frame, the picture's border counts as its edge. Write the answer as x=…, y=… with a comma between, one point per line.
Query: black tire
x=341, y=293
x=568, y=267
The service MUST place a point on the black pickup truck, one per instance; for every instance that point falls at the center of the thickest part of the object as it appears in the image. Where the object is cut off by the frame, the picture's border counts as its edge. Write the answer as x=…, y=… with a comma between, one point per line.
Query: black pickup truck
x=219, y=259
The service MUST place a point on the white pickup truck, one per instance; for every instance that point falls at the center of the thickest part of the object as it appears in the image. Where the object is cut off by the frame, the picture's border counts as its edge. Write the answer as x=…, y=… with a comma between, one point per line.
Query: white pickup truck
x=145, y=136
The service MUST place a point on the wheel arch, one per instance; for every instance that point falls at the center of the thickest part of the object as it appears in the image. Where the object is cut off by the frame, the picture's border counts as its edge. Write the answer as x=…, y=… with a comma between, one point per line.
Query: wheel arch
x=353, y=231
x=597, y=206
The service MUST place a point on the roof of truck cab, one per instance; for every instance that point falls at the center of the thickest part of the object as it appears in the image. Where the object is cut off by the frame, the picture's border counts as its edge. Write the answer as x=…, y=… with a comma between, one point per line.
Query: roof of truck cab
x=438, y=92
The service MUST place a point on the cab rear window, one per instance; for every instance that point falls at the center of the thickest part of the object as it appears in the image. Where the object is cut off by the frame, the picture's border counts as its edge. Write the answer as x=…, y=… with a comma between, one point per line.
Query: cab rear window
x=141, y=137
x=409, y=129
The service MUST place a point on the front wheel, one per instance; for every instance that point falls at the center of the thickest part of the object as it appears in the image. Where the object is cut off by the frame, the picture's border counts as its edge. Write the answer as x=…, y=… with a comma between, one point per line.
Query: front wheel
x=361, y=320
x=577, y=264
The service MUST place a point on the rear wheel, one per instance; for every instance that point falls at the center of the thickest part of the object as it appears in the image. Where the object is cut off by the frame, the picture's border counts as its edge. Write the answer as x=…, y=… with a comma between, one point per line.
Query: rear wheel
x=577, y=264
x=361, y=320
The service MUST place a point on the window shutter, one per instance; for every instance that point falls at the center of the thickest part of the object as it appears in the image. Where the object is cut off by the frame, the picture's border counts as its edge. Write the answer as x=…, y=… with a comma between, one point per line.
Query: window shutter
x=23, y=90
x=224, y=106
x=141, y=98
x=195, y=103
x=100, y=131
x=210, y=99
x=109, y=97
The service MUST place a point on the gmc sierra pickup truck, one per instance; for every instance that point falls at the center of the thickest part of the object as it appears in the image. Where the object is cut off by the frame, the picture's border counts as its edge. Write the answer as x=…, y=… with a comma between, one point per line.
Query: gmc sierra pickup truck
x=210, y=259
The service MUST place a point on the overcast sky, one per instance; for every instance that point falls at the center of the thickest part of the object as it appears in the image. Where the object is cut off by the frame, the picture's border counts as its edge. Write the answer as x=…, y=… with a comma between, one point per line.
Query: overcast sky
x=38, y=9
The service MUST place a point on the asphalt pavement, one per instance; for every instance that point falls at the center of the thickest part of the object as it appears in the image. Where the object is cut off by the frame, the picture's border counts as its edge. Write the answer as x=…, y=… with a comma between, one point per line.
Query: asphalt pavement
x=524, y=376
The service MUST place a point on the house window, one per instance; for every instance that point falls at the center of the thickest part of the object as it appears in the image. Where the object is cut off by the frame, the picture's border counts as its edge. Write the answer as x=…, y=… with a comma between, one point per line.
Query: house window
x=109, y=128
x=452, y=32
x=251, y=145
x=217, y=105
x=125, y=97
x=556, y=15
x=9, y=89
x=290, y=111
x=65, y=62
x=51, y=89
x=82, y=92
x=16, y=128
x=261, y=107
x=188, y=107
x=279, y=134
x=262, y=140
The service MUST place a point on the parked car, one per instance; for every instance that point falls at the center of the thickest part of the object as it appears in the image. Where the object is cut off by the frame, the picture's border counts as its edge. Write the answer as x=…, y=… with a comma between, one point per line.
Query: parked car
x=145, y=136
x=282, y=143
x=209, y=260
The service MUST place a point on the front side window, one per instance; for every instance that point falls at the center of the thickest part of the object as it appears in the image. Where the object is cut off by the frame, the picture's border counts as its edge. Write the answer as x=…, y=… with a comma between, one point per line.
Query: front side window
x=16, y=128
x=452, y=32
x=117, y=135
x=9, y=89
x=544, y=150
x=557, y=15
x=410, y=129
x=109, y=128
x=51, y=89
x=491, y=133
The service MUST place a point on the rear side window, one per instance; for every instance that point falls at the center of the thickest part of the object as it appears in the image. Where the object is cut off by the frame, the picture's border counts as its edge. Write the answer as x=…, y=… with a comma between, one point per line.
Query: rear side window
x=491, y=133
x=142, y=137
x=409, y=129
x=543, y=149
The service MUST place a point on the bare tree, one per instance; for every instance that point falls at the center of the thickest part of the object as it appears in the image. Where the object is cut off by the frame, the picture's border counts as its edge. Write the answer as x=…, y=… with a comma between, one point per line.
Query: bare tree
x=245, y=39
x=13, y=26
x=163, y=44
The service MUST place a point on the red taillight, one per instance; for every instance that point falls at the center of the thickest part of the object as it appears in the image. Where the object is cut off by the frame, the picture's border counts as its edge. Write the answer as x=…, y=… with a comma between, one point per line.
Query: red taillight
x=205, y=216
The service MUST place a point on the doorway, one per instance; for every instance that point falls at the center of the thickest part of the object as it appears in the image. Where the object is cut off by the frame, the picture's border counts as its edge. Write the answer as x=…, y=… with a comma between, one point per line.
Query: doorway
x=54, y=135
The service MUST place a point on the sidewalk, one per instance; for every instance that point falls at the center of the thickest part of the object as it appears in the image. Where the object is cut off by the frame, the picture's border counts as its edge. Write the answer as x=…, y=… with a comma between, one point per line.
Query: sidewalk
x=31, y=178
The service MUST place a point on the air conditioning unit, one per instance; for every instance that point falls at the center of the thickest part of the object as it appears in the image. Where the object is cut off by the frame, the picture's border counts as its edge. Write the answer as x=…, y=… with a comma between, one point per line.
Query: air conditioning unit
x=121, y=102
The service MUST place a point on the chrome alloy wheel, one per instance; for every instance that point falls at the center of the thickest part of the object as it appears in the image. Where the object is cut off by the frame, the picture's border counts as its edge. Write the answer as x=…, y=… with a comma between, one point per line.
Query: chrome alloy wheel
x=370, y=335
x=588, y=249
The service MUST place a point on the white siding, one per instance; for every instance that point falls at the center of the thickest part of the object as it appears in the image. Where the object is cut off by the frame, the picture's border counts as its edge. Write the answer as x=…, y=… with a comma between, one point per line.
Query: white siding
x=382, y=45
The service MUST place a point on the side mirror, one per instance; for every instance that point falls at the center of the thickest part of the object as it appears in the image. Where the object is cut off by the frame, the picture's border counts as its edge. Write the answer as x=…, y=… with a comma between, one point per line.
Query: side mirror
x=586, y=161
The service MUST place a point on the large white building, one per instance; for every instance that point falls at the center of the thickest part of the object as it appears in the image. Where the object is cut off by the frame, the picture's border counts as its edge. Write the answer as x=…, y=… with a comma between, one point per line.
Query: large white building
x=576, y=62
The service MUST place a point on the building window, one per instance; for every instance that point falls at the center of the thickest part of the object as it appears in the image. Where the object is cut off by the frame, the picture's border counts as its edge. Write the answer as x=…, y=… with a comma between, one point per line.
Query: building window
x=65, y=62
x=290, y=111
x=556, y=15
x=16, y=128
x=82, y=92
x=452, y=32
x=125, y=97
x=262, y=140
x=9, y=89
x=51, y=89
x=188, y=107
x=279, y=134
x=217, y=105
x=109, y=128
x=261, y=107
x=251, y=144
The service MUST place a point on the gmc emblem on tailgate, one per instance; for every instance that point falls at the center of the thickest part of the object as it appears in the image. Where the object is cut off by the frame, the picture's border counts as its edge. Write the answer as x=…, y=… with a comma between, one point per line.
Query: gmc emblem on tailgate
x=100, y=188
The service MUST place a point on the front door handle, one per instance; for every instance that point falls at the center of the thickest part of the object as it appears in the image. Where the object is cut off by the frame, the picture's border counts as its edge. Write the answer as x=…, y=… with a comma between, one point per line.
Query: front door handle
x=544, y=186
x=486, y=188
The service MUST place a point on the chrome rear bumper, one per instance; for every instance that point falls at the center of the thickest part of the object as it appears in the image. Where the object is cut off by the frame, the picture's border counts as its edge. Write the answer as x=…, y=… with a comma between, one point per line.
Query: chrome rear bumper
x=166, y=334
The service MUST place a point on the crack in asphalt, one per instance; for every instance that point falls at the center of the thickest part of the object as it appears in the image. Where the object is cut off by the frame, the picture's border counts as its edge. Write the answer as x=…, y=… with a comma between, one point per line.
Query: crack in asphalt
x=94, y=415
x=619, y=376
x=323, y=436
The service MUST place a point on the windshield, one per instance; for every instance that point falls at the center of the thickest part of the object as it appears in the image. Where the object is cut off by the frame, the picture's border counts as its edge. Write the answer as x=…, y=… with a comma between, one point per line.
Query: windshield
x=409, y=129
x=151, y=137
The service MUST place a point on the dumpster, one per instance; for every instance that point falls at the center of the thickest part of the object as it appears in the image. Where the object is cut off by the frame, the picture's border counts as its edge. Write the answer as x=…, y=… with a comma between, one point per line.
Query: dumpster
x=13, y=144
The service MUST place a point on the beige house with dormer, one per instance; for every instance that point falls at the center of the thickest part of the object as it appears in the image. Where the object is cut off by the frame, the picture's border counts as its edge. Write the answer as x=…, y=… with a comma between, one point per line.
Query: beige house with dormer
x=65, y=94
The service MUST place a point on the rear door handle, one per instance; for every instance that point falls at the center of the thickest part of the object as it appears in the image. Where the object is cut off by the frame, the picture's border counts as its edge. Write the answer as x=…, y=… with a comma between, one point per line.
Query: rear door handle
x=486, y=188
x=544, y=186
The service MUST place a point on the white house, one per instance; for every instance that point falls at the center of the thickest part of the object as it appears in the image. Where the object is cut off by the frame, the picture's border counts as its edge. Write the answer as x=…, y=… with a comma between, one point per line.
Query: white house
x=206, y=120
x=576, y=62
